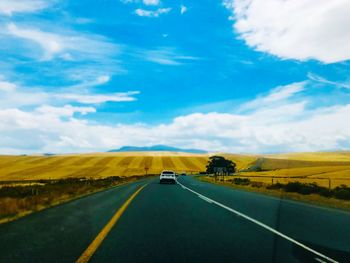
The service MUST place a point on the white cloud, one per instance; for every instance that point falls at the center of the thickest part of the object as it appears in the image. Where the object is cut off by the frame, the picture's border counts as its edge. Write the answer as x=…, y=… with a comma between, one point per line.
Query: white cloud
x=9, y=7
x=86, y=56
x=51, y=43
x=12, y=95
x=64, y=45
x=151, y=2
x=145, y=2
x=6, y=86
x=93, y=73
x=276, y=95
x=83, y=20
x=98, y=98
x=294, y=29
x=285, y=123
x=22, y=98
x=183, y=9
x=166, y=56
x=86, y=81
x=65, y=111
x=316, y=78
x=150, y=13
x=103, y=79
x=128, y=1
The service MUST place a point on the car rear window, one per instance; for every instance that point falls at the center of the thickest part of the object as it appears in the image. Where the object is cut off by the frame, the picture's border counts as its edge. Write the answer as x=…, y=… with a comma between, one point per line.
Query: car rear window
x=168, y=173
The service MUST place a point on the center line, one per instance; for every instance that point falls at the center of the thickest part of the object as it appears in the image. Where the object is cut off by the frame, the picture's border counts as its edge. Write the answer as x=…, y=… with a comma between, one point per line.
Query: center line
x=85, y=257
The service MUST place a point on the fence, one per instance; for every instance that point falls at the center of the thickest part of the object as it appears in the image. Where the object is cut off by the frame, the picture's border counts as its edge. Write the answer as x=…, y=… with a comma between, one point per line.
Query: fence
x=324, y=182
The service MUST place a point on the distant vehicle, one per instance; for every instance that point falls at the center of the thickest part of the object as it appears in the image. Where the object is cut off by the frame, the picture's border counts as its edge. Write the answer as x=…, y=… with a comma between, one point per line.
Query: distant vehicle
x=167, y=177
x=183, y=174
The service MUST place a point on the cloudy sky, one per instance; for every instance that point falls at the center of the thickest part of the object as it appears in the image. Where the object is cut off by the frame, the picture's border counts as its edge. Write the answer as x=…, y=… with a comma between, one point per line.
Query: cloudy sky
x=247, y=76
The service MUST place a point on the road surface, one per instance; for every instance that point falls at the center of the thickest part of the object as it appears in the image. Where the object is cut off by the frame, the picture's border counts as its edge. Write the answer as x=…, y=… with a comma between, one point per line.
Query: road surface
x=191, y=221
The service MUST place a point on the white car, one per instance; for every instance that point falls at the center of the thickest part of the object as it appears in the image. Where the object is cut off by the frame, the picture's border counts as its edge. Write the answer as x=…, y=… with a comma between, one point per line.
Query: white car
x=167, y=177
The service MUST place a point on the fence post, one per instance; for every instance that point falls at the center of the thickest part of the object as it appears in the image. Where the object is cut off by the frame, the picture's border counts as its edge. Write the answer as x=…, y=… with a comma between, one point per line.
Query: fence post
x=272, y=181
x=329, y=183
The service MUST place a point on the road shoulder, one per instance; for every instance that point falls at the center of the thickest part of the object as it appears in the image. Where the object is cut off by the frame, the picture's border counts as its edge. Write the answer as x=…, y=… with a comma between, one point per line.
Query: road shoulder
x=309, y=199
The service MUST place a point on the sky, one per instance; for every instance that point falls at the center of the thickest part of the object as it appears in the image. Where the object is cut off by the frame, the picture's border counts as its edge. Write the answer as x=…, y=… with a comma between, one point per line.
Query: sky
x=242, y=76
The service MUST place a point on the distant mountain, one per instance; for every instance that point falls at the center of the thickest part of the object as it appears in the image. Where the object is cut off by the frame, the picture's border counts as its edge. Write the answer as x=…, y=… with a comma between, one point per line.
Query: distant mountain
x=155, y=148
x=48, y=154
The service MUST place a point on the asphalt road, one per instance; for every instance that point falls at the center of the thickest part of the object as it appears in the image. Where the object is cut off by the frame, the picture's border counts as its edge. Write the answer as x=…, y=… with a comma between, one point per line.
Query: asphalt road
x=196, y=222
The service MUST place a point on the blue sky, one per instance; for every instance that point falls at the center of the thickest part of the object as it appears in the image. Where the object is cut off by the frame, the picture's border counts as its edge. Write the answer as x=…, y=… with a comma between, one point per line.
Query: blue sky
x=234, y=75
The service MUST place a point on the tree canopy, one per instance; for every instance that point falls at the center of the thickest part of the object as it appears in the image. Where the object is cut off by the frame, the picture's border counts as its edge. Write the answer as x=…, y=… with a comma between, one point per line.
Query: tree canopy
x=220, y=165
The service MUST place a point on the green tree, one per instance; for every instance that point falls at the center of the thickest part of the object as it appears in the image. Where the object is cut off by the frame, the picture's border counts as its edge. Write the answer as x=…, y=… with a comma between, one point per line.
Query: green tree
x=220, y=165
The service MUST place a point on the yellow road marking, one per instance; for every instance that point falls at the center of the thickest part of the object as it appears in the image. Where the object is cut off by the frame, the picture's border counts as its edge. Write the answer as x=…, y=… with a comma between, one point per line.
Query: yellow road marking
x=85, y=257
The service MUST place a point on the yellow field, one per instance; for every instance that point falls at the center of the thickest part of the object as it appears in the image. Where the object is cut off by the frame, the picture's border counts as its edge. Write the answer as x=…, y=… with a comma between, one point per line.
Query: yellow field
x=304, y=167
x=303, y=172
x=324, y=168
x=242, y=161
x=97, y=165
x=341, y=156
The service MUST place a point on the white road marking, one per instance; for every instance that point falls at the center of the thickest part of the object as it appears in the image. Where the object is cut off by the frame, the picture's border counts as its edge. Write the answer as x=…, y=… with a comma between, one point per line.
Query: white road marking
x=205, y=199
x=320, y=260
x=262, y=225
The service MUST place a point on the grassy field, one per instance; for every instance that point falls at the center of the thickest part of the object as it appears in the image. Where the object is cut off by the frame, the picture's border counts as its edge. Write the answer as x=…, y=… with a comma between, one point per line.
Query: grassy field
x=326, y=169
x=101, y=165
x=20, y=199
x=341, y=156
x=98, y=165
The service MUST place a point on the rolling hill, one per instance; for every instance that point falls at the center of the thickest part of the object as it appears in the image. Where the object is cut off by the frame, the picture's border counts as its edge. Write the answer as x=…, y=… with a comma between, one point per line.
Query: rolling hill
x=309, y=167
x=155, y=148
x=97, y=165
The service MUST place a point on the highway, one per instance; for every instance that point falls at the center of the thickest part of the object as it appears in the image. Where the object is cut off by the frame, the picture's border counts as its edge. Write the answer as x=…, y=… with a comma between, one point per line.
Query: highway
x=191, y=221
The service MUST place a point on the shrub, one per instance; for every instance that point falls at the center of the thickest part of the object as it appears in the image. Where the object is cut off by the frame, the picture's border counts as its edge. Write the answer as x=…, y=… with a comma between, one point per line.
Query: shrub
x=293, y=187
x=275, y=186
x=304, y=189
x=342, y=192
x=325, y=192
x=257, y=184
x=241, y=181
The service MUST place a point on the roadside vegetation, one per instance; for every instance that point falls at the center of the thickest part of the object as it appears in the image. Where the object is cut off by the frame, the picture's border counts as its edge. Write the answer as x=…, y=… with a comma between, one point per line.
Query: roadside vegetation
x=19, y=199
x=338, y=197
x=329, y=173
x=294, y=179
x=220, y=165
x=340, y=192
